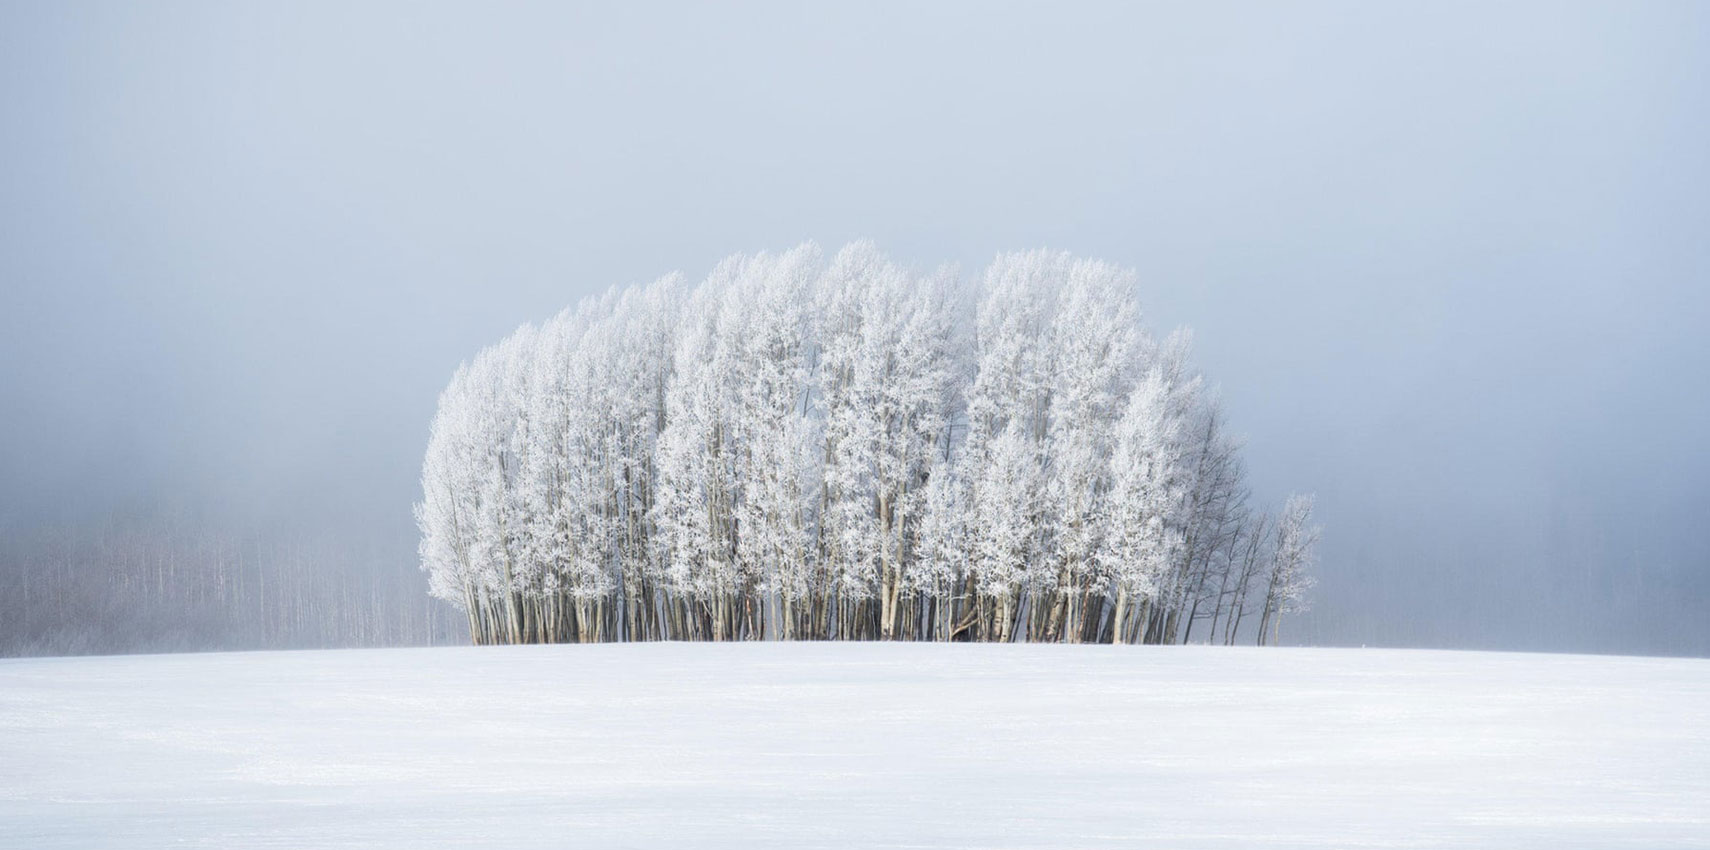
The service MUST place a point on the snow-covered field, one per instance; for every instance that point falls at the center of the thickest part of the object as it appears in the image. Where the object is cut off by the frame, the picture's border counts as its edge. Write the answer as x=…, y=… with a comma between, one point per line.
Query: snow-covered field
x=855, y=745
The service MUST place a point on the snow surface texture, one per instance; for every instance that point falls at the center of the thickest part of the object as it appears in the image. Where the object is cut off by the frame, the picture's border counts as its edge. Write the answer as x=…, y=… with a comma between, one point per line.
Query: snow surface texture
x=855, y=745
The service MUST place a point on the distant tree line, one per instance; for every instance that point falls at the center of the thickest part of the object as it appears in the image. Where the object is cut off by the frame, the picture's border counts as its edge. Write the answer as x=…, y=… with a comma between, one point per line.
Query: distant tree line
x=154, y=583
x=800, y=450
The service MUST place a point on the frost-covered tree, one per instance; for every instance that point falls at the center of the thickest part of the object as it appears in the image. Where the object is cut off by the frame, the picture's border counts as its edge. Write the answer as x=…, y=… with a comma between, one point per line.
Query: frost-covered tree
x=1292, y=557
x=1096, y=343
x=691, y=511
x=849, y=449
x=887, y=394
x=764, y=328
x=1003, y=457
x=1149, y=484
x=473, y=513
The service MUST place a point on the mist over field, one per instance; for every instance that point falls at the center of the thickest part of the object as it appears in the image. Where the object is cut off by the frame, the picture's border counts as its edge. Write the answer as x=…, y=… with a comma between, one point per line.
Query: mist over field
x=1446, y=264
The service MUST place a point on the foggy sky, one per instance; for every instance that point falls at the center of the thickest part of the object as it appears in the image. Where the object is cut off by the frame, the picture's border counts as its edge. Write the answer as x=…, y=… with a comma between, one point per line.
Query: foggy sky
x=1448, y=263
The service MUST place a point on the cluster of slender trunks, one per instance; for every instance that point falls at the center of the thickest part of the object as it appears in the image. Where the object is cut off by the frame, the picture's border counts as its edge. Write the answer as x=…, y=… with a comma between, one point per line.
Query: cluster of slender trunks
x=643, y=611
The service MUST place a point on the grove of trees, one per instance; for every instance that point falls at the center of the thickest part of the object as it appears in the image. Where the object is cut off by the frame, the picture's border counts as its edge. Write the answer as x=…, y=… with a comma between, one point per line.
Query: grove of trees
x=164, y=580
x=802, y=449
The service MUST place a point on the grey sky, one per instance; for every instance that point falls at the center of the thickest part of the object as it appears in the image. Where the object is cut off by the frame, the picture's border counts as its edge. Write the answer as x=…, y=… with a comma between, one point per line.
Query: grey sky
x=1448, y=262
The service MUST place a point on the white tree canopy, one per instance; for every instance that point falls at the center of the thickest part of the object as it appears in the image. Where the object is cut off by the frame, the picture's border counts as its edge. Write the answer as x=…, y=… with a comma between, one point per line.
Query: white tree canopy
x=803, y=448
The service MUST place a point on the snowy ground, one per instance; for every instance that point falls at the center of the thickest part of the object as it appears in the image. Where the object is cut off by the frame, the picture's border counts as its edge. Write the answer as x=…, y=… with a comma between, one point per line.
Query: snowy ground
x=849, y=745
